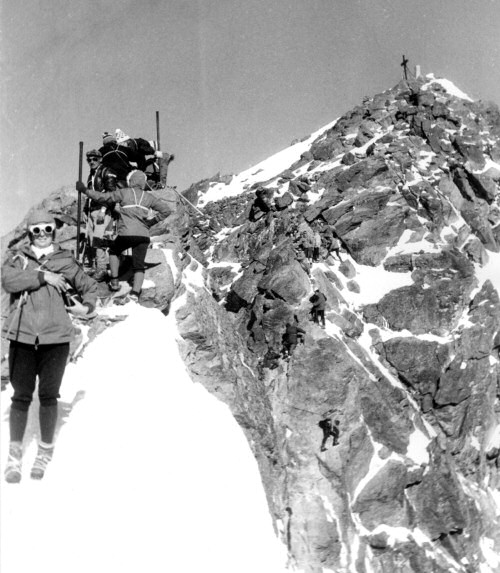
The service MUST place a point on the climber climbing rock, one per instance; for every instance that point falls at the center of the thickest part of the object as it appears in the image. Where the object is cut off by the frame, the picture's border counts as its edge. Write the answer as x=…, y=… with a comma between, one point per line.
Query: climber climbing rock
x=318, y=301
x=133, y=226
x=329, y=429
x=262, y=204
x=292, y=336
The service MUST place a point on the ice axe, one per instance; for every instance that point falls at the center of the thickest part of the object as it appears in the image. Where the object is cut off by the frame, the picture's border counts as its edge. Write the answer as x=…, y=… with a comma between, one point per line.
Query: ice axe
x=79, y=203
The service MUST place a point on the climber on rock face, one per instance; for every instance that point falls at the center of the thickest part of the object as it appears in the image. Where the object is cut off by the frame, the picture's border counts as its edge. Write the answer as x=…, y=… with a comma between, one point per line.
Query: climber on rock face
x=318, y=301
x=133, y=225
x=329, y=429
x=293, y=335
x=262, y=204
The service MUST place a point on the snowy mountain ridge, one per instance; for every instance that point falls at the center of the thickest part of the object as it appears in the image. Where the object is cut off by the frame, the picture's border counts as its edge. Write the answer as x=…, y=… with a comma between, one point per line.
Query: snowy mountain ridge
x=407, y=361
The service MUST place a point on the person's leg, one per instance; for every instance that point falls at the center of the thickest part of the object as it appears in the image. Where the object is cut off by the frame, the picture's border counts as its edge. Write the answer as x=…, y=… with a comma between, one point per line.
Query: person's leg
x=22, y=371
x=323, y=443
x=139, y=252
x=115, y=251
x=52, y=361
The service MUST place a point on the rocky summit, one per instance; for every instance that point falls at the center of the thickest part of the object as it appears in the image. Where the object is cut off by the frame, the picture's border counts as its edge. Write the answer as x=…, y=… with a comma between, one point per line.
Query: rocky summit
x=407, y=363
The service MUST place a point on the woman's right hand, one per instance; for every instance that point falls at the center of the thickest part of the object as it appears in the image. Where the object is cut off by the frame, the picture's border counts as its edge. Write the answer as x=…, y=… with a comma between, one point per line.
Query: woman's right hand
x=56, y=280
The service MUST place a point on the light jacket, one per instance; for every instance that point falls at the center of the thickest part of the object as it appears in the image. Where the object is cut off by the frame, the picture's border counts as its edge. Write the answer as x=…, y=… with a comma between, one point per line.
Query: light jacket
x=38, y=314
x=135, y=204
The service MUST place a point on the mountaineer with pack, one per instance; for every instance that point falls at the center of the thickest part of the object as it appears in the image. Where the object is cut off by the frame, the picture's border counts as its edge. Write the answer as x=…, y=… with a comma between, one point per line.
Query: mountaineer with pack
x=99, y=218
x=141, y=152
x=37, y=276
x=117, y=157
x=133, y=225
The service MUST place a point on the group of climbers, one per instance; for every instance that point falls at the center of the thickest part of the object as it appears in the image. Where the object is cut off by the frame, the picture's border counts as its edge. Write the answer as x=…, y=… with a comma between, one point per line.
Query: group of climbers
x=133, y=223
x=118, y=207
x=312, y=242
x=118, y=218
x=40, y=276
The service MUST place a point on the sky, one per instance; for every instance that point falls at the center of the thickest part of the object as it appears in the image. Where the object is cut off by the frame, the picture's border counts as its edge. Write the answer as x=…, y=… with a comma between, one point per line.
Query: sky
x=162, y=484
x=234, y=81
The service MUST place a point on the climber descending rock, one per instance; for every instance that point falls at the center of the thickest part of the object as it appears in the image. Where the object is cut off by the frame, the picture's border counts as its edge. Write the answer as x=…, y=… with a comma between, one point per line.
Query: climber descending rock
x=318, y=301
x=132, y=227
x=330, y=429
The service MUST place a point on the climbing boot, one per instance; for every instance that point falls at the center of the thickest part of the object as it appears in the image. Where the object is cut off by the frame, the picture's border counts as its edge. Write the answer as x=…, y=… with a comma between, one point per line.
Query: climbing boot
x=14, y=461
x=42, y=460
x=114, y=285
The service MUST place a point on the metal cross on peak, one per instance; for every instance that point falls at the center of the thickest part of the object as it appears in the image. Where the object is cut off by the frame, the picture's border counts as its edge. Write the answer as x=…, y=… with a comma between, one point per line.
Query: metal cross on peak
x=405, y=66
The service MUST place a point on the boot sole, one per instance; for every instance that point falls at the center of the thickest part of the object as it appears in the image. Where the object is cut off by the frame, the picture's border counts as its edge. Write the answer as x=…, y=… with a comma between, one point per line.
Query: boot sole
x=13, y=477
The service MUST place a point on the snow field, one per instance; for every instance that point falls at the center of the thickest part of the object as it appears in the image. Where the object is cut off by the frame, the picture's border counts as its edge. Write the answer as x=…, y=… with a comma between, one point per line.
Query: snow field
x=150, y=472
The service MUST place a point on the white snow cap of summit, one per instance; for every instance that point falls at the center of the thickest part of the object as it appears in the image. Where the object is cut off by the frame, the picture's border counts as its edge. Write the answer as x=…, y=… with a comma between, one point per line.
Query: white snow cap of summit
x=449, y=86
x=263, y=171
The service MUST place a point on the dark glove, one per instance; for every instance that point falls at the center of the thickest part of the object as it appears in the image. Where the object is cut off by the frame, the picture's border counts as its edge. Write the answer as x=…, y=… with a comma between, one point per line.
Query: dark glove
x=81, y=187
x=151, y=222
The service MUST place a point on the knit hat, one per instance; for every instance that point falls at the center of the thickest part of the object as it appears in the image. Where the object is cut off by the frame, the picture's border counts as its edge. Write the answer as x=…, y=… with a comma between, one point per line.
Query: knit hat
x=94, y=153
x=107, y=138
x=40, y=216
x=120, y=136
x=136, y=178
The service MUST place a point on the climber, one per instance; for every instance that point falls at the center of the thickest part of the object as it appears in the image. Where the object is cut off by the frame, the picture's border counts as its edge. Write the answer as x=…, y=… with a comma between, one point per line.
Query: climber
x=318, y=301
x=99, y=218
x=262, y=204
x=306, y=239
x=292, y=336
x=141, y=152
x=38, y=275
x=117, y=157
x=335, y=244
x=133, y=226
x=317, y=246
x=329, y=429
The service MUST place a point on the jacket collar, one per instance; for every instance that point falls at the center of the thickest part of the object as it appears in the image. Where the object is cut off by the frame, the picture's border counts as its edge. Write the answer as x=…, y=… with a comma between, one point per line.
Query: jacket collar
x=25, y=249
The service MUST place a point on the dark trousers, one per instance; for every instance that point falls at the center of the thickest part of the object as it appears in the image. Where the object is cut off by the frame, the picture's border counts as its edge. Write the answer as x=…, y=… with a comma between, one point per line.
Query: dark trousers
x=318, y=315
x=139, y=246
x=26, y=362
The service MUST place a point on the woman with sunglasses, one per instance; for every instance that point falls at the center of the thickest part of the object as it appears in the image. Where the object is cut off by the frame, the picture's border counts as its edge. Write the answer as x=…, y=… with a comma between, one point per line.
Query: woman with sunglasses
x=38, y=275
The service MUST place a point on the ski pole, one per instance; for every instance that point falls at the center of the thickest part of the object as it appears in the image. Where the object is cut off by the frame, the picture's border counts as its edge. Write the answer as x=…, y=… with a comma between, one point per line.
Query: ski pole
x=79, y=203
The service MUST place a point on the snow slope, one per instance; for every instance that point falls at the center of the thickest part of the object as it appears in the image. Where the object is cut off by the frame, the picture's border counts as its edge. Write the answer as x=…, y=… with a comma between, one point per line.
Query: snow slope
x=150, y=473
x=265, y=170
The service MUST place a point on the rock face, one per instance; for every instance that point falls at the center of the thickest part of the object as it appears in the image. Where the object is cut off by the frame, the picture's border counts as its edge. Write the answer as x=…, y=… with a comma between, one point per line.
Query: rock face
x=407, y=183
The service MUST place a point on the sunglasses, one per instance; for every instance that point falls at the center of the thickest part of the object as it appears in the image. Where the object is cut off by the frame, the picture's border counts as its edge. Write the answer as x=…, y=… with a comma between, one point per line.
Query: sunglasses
x=36, y=230
x=92, y=159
